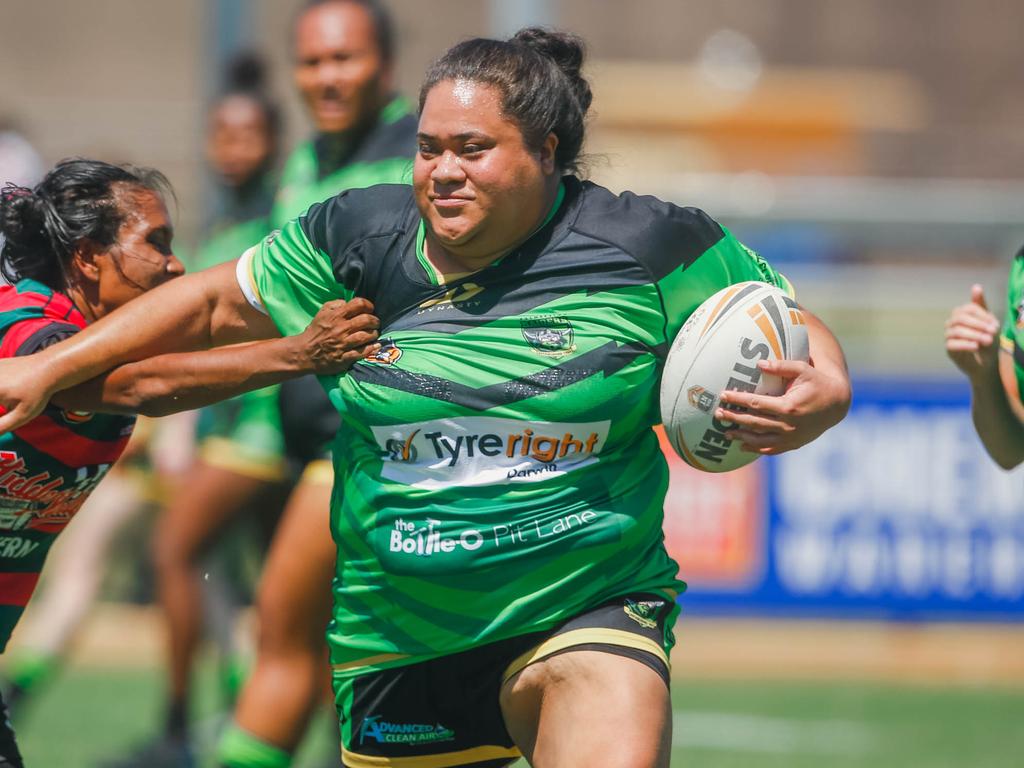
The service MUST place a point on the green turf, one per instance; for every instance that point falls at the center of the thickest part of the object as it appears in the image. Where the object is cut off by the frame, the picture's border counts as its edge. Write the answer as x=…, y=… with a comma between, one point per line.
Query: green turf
x=90, y=714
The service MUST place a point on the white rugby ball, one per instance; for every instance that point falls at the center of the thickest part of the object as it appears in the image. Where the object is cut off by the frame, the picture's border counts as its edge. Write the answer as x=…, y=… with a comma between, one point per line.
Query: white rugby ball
x=718, y=348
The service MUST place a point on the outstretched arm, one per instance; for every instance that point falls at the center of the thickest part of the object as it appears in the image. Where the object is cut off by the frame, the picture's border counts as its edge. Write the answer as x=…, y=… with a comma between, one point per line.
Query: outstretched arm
x=192, y=312
x=341, y=333
x=972, y=334
x=817, y=398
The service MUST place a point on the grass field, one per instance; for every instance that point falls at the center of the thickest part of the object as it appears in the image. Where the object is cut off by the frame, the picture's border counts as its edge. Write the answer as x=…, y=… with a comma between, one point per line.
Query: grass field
x=91, y=713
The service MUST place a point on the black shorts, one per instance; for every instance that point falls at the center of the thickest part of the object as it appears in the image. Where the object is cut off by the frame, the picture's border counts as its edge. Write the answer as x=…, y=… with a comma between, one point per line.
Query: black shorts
x=309, y=422
x=445, y=712
x=10, y=757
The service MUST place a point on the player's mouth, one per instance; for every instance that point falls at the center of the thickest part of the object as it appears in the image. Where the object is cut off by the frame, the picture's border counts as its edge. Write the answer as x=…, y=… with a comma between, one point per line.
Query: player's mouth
x=449, y=203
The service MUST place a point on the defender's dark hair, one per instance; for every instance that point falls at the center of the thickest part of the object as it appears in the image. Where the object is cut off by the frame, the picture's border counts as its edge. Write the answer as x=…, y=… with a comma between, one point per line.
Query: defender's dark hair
x=384, y=29
x=538, y=73
x=247, y=76
x=78, y=200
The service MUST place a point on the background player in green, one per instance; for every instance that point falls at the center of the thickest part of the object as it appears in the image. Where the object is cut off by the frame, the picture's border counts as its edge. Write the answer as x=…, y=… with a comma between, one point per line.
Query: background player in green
x=344, y=70
x=502, y=580
x=365, y=135
x=993, y=362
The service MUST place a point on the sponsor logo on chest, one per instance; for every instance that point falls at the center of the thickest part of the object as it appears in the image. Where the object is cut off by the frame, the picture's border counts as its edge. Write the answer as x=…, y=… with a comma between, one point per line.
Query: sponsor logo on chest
x=485, y=451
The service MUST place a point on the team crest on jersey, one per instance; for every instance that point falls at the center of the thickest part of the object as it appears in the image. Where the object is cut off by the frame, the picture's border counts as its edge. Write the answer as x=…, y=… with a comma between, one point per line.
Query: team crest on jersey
x=388, y=354
x=550, y=335
x=643, y=612
x=1020, y=314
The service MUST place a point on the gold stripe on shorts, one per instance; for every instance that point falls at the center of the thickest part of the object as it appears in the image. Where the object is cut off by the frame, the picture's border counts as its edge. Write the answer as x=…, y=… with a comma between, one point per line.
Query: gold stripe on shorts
x=583, y=636
x=319, y=472
x=223, y=454
x=369, y=661
x=443, y=760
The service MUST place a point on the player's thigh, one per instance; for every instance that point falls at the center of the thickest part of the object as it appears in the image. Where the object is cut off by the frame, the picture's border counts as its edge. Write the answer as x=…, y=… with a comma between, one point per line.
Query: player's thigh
x=589, y=708
x=294, y=597
x=208, y=498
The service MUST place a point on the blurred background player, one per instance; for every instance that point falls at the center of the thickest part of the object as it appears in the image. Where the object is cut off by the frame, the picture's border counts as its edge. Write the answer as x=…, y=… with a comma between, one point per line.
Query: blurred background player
x=239, y=473
x=993, y=362
x=364, y=135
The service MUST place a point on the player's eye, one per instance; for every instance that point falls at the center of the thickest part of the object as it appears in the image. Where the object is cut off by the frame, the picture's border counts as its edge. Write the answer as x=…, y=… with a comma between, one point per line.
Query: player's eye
x=426, y=150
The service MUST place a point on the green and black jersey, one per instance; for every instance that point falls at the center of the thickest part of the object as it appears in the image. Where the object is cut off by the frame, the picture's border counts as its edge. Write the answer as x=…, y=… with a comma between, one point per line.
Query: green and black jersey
x=382, y=156
x=311, y=175
x=498, y=472
x=1012, y=339
x=242, y=434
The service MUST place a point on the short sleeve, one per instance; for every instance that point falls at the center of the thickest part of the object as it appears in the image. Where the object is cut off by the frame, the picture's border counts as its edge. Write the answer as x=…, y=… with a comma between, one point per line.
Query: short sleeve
x=1012, y=317
x=289, y=277
x=1011, y=339
x=724, y=263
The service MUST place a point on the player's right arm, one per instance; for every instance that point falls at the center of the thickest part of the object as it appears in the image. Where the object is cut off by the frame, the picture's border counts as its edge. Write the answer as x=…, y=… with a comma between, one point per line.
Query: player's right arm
x=972, y=343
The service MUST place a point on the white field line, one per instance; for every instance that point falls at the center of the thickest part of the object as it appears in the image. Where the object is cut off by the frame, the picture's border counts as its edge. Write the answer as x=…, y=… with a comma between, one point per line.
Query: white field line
x=754, y=733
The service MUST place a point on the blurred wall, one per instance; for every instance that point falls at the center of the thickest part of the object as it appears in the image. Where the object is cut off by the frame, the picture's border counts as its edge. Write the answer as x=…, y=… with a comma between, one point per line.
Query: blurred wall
x=126, y=80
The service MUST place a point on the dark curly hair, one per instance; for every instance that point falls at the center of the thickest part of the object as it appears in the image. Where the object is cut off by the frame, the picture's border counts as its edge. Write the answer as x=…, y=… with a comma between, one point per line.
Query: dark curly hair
x=78, y=200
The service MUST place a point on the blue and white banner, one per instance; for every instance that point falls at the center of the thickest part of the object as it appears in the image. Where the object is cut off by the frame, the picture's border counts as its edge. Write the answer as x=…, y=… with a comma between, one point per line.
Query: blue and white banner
x=896, y=513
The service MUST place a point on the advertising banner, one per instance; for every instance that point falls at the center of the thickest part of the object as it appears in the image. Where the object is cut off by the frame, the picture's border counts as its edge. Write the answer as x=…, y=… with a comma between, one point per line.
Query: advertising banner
x=896, y=513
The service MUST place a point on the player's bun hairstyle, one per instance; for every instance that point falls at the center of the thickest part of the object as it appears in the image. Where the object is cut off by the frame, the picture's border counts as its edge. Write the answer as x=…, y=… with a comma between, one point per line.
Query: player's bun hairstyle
x=246, y=76
x=78, y=200
x=538, y=73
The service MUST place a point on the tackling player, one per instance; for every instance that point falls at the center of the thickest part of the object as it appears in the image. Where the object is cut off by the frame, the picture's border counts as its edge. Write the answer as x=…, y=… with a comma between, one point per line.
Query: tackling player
x=89, y=238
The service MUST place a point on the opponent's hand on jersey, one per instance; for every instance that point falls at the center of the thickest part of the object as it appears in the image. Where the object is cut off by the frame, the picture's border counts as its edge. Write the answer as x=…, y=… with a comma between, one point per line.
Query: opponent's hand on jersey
x=23, y=393
x=813, y=402
x=341, y=333
x=972, y=334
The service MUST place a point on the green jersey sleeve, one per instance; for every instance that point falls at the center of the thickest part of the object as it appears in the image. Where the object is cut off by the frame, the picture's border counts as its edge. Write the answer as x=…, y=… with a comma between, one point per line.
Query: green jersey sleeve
x=726, y=262
x=1012, y=337
x=289, y=278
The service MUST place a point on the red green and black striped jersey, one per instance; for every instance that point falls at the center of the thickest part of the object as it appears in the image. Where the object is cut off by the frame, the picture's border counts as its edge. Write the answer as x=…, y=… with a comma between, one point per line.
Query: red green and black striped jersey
x=49, y=466
x=499, y=472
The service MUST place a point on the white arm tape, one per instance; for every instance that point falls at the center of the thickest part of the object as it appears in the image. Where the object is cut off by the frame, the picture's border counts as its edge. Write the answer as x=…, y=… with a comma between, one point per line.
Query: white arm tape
x=243, y=275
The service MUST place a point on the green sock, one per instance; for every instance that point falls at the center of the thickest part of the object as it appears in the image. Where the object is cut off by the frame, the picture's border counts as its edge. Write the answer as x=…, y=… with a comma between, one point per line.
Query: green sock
x=29, y=669
x=240, y=749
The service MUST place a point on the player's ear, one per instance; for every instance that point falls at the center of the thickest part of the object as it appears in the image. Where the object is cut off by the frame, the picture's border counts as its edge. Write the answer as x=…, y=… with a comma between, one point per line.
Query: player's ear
x=547, y=154
x=84, y=264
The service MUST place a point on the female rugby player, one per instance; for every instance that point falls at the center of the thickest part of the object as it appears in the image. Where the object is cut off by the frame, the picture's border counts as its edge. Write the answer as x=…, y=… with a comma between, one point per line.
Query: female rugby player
x=502, y=585
x=90, y=237
x=993, y=362
x=240, y=467
x=343, y=68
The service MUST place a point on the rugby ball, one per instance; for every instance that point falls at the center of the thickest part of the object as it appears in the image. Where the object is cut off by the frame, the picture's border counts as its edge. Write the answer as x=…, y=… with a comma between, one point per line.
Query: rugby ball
x=718, y=348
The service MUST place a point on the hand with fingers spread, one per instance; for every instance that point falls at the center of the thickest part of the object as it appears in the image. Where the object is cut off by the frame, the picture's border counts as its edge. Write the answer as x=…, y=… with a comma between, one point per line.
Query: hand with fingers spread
x=972, y=334
x=340, y=334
